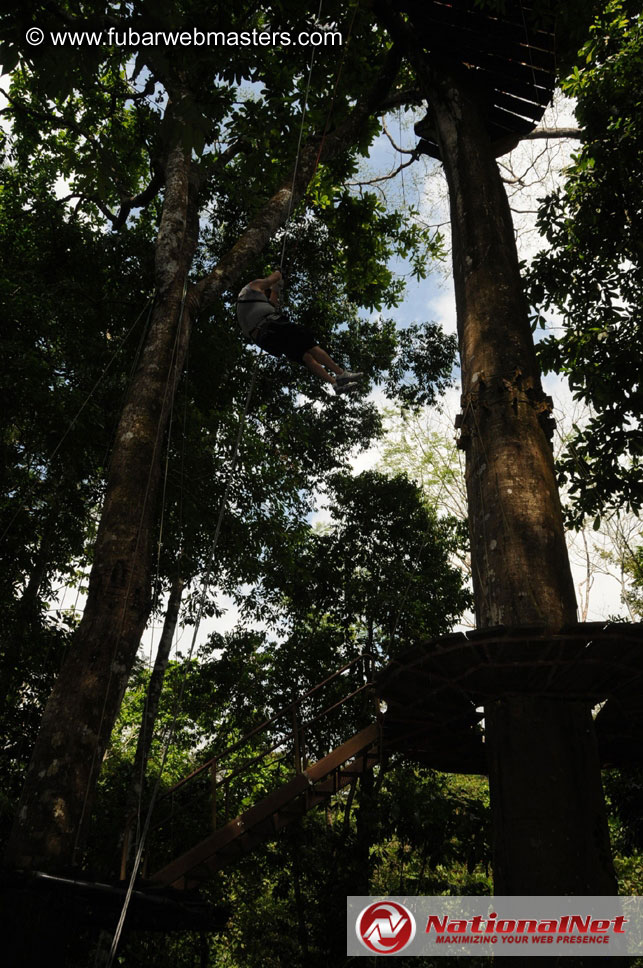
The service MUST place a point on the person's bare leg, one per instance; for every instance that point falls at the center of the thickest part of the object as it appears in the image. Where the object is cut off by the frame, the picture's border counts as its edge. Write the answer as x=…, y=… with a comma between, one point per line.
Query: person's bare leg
x=309, y=360
x=321, y=356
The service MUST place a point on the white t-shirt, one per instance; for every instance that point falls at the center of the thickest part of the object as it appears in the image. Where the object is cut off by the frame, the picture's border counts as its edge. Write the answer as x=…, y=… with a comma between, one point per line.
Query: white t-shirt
x=253, y=308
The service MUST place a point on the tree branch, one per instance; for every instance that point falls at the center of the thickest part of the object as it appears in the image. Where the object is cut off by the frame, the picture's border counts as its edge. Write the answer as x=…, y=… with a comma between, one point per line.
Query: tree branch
x=230, y=152
x=141, y=200
x=392, y=174
x=402, y=151
x=54, y=121
x=553, y=133
x=66, y=124
x=275, y=213
x=410, y=95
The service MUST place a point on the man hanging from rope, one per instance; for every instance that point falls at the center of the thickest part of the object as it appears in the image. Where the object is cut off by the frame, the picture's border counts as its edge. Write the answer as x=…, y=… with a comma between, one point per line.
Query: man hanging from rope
x=263, y=324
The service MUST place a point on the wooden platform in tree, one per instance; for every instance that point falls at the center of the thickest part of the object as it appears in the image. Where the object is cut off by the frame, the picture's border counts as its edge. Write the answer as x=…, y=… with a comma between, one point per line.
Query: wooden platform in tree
x=509, y=55
x=91, y=903
x=434, y=698
x=434, y=690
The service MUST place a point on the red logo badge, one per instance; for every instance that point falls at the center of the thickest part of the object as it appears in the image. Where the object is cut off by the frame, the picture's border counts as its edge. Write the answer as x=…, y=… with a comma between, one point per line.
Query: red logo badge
x=385, y=927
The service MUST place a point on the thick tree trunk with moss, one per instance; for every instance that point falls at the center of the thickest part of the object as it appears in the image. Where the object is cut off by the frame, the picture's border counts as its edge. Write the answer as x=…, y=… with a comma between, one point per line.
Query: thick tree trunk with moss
x=550, y=830
x=56, y=802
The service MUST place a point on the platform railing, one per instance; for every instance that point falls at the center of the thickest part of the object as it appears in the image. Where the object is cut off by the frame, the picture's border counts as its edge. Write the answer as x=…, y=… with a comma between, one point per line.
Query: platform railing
x=247, y=770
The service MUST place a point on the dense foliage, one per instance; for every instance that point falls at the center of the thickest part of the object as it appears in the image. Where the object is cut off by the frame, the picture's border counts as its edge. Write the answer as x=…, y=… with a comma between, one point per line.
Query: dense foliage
x=80, y=205
x=592, y=272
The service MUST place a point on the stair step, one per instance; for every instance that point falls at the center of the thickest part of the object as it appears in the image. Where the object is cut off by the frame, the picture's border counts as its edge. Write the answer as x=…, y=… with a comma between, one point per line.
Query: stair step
x=316, y=785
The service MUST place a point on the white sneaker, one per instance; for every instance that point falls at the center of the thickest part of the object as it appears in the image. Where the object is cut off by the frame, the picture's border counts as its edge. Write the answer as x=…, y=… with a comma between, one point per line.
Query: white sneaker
x=347, y=377
x=346, y=387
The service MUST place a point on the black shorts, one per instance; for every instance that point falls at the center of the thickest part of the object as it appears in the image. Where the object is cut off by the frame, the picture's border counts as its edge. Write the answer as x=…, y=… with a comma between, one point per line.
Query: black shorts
x=286, y=339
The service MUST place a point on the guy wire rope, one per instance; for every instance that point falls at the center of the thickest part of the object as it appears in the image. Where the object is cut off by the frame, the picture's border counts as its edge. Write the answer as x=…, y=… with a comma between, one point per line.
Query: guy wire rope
x=178, y=704
x=205, y=585
x=326, y=124
x=157, y=580
x=298, y=153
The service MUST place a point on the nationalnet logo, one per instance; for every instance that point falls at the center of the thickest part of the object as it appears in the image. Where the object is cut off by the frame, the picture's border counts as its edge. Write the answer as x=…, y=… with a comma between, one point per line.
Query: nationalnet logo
x=495, y=926
x=385, y=927
x=570, y=929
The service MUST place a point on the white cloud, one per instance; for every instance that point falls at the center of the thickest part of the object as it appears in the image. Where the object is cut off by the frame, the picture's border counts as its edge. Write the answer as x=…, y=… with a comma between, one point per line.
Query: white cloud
x=442, y=307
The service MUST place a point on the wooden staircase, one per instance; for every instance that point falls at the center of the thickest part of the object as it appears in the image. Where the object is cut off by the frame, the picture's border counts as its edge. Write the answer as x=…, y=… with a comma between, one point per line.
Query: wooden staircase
x=216, y=815
x=313, y=786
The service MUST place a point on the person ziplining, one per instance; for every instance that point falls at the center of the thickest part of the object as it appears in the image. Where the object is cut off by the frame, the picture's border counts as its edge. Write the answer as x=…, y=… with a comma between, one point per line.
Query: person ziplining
x=263, y=324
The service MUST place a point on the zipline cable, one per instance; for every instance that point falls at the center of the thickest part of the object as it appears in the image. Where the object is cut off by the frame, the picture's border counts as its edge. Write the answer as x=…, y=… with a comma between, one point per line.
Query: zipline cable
x=224, y=499
x=223, y=504
x=222, y=508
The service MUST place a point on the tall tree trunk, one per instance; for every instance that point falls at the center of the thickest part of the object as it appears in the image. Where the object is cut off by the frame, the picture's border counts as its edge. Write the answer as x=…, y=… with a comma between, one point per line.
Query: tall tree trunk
x=152, y=700
x=550, y=830
x=53, y=814
x=55, y=807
